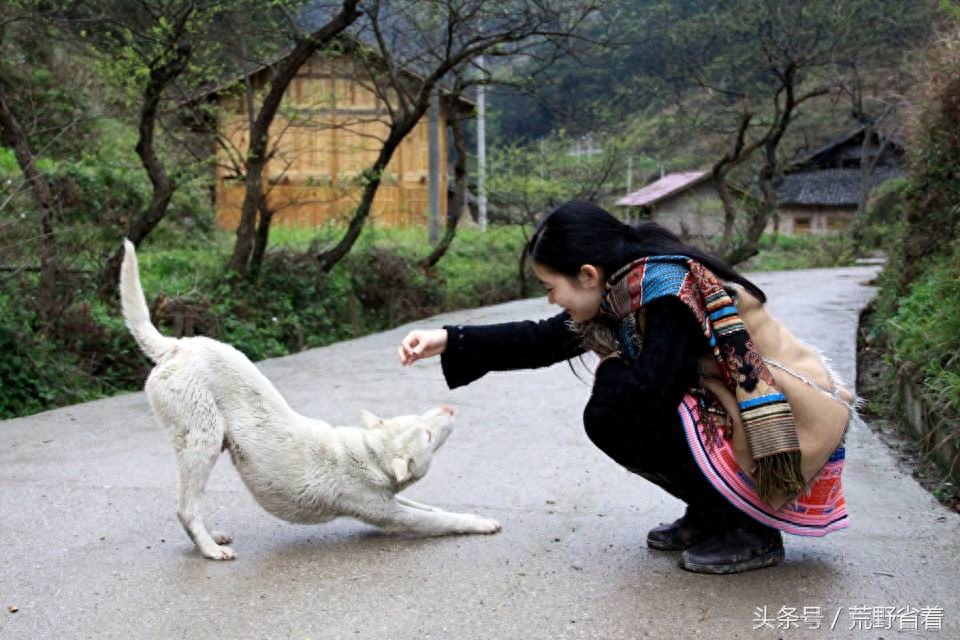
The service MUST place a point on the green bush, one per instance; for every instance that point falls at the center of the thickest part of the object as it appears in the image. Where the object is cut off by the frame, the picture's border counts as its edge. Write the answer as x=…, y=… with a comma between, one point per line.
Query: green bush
x=292, y=306
x=801, y=252
x=89, y=355
x=915, y=321
x=32, y=376
x=8, y=164
x=881, y=224
x=481, y=267
x=925, y=334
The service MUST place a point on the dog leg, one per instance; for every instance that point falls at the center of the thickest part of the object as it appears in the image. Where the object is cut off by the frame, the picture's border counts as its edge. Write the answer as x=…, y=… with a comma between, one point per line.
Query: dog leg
x=405, y=519
x=195, y=467
x=407, y=502
x=197, y=428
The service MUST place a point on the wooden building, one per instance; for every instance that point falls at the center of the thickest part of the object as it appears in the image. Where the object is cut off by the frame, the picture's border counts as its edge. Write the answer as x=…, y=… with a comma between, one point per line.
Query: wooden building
x=328, y=131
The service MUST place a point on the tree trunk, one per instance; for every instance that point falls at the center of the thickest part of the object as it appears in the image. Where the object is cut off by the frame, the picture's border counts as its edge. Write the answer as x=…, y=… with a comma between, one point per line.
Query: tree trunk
x=42, y=198
x=459, y=191
x=866, y=168
x=768, y=174
x=163, y=185
x=721, y=169
x=729, y=210
x=761, y=214
x=257, y=156
x=399, y=129
x=329, y=258
x=260, y=242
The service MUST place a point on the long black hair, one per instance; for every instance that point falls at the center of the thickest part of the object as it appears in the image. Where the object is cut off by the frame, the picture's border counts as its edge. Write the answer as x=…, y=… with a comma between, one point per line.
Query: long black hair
x=578, y=233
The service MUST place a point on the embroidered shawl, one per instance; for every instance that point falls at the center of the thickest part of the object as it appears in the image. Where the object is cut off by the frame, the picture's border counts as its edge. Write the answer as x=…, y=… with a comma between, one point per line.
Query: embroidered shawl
x=767, y=418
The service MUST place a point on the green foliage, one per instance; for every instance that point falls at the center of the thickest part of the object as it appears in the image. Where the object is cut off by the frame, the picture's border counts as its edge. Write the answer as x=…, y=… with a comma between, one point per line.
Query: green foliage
x=134, y=41
x=925, y=334
x=881, y=224
x=527, y=179
x=950, y=8
x=97, y=192
x=32, y=377
x=646, y=54
x=293, y=306
x=480, y=267
x=95, y=200
x=53, y=91
x=8, y=164
x=390, y=288
x=530, y=179
x=916, y=317
x=90, y=356
x=602, y=84
x=801, y=252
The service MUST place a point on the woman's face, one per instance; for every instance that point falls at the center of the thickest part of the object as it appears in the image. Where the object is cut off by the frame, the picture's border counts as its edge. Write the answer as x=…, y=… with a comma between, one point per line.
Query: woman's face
x=580, y=296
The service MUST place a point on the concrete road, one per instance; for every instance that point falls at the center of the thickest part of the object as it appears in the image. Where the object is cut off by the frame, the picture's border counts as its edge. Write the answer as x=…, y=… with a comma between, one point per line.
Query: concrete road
x=90, y=546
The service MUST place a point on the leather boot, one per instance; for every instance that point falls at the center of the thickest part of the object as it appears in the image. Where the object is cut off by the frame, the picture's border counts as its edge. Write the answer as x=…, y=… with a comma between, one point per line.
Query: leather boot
x=735, y=550
x=680, y=534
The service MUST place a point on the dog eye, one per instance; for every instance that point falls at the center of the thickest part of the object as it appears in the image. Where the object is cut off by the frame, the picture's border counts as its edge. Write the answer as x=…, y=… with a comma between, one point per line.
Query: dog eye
x=429, y=435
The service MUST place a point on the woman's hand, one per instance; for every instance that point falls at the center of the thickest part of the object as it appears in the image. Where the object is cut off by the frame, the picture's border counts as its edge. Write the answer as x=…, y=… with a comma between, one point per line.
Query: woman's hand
x=422, y=343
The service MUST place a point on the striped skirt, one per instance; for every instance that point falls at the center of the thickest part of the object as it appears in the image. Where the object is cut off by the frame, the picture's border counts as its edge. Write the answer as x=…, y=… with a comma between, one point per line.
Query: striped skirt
x=816, y=513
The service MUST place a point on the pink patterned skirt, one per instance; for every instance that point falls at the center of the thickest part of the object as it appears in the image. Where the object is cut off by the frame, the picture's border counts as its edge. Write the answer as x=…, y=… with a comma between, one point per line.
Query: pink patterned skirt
x=818, y=512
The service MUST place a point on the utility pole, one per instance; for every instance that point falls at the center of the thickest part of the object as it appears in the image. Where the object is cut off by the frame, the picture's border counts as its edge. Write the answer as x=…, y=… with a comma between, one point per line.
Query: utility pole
x=481, y=149
x=543, y=174
x=433, y=168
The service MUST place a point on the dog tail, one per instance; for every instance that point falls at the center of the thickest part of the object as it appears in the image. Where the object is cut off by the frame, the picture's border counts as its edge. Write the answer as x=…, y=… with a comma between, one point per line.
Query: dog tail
x=135, y=310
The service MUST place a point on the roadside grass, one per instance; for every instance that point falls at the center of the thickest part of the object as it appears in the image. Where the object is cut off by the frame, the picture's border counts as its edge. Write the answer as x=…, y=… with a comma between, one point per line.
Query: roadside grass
x=802, y=252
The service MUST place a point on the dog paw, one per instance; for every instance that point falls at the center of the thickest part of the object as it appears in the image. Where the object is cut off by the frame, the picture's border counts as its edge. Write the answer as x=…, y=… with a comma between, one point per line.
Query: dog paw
x=221, y=537
x=220, y=553
x=492, y=526
x=483, y=525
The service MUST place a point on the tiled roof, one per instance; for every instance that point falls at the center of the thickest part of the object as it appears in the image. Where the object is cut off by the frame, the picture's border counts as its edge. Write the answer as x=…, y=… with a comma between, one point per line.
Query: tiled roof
x=853, y=136
x=663, y=188
x=833, y=187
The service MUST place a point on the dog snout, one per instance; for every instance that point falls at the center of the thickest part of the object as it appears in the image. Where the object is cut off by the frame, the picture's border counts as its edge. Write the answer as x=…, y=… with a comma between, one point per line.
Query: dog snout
x=447, y=409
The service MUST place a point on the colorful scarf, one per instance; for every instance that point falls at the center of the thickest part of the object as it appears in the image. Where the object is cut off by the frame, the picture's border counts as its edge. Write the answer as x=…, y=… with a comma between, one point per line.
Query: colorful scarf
x=767, y=418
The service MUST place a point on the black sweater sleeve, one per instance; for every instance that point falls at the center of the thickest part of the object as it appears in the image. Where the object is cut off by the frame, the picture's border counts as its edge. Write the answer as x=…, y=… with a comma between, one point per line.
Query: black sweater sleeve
x=649, y=391
x=473, y=351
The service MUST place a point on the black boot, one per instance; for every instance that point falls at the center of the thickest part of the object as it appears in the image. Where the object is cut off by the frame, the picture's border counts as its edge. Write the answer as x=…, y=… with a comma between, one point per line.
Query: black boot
x=680, y=534
x=735, y=550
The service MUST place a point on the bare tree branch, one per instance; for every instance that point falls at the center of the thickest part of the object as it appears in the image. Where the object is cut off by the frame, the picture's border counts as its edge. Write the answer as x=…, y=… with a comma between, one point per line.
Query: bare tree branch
x=257, y=158
x=43, y=200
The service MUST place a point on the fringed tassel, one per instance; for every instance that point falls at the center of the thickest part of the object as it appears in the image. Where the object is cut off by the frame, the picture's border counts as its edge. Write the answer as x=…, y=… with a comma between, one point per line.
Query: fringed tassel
x=778, y=474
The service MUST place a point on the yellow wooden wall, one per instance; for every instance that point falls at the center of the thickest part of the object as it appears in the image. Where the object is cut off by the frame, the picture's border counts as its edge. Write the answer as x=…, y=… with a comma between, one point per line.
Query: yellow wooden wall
x=327, y=131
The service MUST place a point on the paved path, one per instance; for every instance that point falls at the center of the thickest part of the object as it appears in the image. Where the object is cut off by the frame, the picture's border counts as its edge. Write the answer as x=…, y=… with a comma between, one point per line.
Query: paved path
x=90, y=546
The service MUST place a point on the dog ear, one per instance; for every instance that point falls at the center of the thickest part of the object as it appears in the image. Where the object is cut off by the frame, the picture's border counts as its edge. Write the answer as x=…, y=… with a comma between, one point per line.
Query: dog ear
x=401, y=468
x=369, y=420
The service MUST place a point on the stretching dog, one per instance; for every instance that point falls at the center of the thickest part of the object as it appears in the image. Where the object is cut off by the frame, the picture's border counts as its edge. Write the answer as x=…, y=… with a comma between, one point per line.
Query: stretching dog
x=211, y=397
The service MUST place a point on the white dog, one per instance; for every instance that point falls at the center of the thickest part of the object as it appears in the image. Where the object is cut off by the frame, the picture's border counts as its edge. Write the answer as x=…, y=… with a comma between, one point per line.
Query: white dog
x=211, y=398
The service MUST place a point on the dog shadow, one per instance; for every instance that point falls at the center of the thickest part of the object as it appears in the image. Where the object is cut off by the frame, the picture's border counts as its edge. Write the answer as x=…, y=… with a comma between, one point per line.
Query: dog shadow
x=292, y=544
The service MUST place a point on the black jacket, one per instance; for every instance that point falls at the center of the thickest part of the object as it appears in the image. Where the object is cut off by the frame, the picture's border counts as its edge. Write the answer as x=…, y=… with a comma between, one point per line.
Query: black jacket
x=628, y=395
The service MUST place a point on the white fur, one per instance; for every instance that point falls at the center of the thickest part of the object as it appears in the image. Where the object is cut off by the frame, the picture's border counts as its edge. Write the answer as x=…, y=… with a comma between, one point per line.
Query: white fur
x=211, y=397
